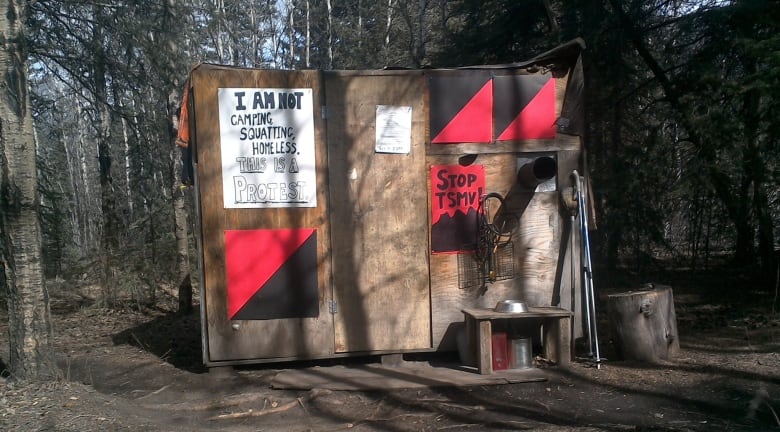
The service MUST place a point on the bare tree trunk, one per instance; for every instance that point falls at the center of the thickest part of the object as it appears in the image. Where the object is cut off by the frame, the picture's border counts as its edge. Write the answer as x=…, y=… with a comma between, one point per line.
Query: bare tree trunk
x=388, y=27
x=86, y=153
x=84, y=218
x=110, y=240
x=183, y=271
x=330, y=34
x=415, y=26
x=308, y=34
x=272, y=33
x=220, y=6
x=72, y=164
x=360, y=25
x=552, y=19
x=291, y=34
x=128, y=168
x=256, y=57
x=183, y=279
x=420, y=53
x=754, y=165
x=21, y=270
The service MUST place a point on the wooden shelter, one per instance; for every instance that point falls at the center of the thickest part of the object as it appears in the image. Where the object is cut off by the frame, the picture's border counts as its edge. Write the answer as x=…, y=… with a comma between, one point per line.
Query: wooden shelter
x=337, y=209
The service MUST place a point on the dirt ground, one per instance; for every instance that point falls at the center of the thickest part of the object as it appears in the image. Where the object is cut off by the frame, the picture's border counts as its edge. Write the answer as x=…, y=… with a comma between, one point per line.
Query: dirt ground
x=139, y=371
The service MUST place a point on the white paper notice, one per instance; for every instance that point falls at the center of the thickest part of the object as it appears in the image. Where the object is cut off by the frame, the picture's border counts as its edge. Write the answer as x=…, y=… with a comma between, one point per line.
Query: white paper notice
x=267, y=144
x=393, y=129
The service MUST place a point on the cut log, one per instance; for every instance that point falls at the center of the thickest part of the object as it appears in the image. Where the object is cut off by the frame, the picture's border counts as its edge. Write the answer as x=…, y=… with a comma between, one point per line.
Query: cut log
x=643, y=324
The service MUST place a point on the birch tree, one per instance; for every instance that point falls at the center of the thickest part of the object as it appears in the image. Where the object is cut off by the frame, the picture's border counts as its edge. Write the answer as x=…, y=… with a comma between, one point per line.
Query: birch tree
x=21, y=271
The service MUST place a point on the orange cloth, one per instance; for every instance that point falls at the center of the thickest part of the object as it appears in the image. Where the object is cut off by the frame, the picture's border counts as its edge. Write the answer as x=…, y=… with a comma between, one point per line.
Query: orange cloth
x=183, y=135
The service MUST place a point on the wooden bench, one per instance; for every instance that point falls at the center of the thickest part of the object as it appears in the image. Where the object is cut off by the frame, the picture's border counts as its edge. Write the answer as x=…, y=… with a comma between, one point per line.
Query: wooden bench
x=554, y=321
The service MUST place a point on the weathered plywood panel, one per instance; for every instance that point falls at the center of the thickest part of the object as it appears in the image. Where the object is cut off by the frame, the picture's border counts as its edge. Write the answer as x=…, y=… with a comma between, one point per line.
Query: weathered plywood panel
x=255, y=339
x=536, y=243
x=379, y=217
x=535, y=266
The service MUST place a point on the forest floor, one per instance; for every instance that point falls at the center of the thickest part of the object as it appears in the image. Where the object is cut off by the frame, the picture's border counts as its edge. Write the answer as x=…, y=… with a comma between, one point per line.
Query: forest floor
x=125, y=370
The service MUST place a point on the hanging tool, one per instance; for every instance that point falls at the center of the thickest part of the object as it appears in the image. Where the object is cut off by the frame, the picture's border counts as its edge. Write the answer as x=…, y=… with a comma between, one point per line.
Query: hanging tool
x=587, y=284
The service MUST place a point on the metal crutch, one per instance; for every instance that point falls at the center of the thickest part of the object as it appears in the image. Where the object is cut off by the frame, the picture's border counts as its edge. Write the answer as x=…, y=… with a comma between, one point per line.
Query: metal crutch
x=588, y=290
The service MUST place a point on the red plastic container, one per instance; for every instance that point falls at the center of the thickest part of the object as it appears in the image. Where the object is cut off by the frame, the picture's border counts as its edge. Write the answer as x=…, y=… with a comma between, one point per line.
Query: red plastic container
x=498, y=345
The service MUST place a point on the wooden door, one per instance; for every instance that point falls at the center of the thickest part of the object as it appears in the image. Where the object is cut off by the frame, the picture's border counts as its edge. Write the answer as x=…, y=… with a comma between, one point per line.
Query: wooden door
x=379, y=215
x=262, y=195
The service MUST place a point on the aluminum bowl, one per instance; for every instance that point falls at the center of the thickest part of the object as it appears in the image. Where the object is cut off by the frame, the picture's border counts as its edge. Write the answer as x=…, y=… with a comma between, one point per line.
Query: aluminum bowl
x=511, y=306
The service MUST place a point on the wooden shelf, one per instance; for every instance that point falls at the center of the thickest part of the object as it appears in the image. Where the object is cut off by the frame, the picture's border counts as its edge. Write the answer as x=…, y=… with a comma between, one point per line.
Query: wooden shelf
x=556, y=333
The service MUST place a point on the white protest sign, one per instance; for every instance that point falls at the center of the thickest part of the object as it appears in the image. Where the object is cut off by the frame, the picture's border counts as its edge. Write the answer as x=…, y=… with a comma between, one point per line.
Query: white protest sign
x=267, y=143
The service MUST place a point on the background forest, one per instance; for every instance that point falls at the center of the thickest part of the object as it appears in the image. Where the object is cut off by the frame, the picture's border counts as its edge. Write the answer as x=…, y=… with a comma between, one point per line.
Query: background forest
x=683, y=138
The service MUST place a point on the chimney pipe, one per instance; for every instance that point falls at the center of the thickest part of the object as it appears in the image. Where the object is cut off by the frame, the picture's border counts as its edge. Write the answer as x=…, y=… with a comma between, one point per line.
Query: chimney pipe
x=538, y=171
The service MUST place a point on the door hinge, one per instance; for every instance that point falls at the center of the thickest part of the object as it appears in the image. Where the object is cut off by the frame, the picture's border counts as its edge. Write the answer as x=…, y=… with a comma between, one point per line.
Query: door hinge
x=333, y=307
x=324, y=112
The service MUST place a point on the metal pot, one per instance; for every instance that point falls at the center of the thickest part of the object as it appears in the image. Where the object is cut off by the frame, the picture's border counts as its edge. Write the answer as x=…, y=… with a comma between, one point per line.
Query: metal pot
x=511, y=306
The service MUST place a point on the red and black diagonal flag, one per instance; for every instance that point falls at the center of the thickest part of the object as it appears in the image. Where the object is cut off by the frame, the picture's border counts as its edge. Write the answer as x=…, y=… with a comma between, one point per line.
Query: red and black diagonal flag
x=475, y=107
x=271, y=273
x=461, y=108
x=524, y=107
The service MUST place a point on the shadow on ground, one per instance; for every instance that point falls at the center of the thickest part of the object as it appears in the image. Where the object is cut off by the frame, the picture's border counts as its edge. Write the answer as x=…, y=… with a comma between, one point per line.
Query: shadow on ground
x=726, y=378
x=174, y=338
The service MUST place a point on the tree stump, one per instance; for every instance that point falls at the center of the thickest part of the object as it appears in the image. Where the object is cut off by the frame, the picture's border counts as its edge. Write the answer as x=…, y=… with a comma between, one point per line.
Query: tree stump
x=643, y=324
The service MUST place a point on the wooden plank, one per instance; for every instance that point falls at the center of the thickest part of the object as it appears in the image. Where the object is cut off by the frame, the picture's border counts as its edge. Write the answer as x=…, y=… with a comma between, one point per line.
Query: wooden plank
x=533, y=312
x=470, y=325
x=283, y=338
x=381, y=378
x=557, y=340
x=560, y=143
x=484, y=347
x=378, y=218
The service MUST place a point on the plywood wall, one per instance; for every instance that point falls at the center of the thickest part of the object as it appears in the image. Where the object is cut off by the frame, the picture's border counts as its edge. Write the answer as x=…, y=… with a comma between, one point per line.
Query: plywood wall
x=380, y=288
x=379, y=216
x=541, y=242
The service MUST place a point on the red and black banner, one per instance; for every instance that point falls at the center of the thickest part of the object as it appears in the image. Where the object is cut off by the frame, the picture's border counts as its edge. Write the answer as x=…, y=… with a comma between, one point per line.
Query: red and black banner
x=476, y=107
x=455, y=194
x=524, y=107
x=271, y=273
x=461, y=108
